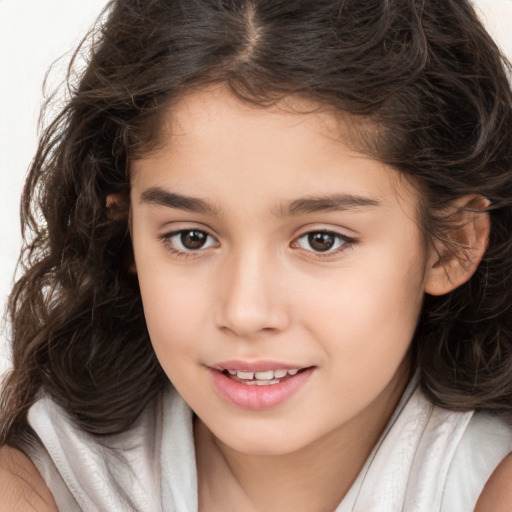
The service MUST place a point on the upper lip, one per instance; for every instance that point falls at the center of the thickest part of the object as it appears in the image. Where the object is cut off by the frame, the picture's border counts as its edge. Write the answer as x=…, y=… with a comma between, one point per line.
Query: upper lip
x=255, y=366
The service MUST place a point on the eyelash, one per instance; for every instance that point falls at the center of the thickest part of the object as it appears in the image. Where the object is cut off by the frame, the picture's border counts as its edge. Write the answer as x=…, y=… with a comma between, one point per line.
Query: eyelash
x=171, y=246
x=343, y=242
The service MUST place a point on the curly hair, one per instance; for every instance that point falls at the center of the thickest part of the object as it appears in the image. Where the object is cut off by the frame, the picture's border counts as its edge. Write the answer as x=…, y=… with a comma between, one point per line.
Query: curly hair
x=423, y=75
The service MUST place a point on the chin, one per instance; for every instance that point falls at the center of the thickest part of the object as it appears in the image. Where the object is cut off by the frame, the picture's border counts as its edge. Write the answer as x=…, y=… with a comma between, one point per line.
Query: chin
x=274, y=443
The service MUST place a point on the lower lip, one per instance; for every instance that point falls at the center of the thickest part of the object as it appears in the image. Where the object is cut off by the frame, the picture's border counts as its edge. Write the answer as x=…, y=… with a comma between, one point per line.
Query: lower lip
x=258, y=397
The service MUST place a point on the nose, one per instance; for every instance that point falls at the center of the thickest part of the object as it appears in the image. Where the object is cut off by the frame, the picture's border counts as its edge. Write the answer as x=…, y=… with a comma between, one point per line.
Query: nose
x=251, y=297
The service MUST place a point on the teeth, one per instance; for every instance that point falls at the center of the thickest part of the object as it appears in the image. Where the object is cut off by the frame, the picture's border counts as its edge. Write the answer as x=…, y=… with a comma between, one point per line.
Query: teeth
x=245, y=375
x=267, y=382
x=262, y=382
x=263, y=376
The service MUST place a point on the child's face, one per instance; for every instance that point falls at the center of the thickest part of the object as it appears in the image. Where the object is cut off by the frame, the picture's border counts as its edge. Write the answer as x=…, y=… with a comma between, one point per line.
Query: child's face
x=263, y=243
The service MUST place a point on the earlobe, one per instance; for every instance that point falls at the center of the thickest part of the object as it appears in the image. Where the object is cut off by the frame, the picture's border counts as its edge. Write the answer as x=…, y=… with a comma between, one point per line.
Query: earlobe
x=117, y=206
x=453, y=260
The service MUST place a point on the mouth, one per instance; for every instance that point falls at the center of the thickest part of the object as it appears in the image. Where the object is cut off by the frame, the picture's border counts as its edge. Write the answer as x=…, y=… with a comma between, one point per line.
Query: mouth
x=258, y=386
x=261, y=378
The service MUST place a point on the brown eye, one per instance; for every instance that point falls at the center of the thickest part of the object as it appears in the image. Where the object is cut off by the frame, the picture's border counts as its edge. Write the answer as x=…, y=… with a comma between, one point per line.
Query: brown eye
x=193, y=240
x=323, y=241
x=188, y=240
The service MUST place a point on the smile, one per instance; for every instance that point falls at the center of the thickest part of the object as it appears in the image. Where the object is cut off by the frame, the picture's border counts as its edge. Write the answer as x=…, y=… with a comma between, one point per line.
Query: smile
x=266, y=378
x=258, y=386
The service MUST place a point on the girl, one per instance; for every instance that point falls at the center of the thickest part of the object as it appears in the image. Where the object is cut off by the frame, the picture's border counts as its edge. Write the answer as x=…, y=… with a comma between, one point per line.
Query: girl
x=268, y=266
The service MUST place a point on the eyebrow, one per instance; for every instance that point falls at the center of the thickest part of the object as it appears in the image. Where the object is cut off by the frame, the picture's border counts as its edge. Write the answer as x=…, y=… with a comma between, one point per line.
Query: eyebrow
x=161, y=197
x=327, y=203
x=310, y=204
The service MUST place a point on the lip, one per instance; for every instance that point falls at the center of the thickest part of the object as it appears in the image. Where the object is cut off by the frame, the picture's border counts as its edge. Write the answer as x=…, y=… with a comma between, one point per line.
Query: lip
x=255, y=366
x=258, y=397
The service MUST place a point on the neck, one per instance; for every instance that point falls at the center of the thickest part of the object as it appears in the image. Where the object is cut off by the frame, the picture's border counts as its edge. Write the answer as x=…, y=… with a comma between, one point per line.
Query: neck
x=320, y=473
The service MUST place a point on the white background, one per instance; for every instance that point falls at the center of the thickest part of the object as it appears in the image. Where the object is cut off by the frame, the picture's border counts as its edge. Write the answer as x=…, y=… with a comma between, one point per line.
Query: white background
x=33, y=34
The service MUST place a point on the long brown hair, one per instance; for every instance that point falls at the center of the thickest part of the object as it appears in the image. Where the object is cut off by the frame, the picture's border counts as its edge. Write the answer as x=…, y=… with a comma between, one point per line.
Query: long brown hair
x=424, y=75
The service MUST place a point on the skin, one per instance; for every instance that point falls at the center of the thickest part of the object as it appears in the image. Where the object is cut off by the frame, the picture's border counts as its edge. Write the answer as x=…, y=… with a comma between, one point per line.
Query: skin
x=257, y=290
x=23, y=489
x=21, y=486
x=497, y=494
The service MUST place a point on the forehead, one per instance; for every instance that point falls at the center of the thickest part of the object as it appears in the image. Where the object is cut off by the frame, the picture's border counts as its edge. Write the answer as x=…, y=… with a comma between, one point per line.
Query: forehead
x=200, y=107
x=211, y=140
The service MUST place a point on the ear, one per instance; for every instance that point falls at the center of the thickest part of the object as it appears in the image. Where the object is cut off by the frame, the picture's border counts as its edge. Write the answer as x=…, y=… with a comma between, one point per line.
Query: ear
x=452, y=261
x=117, y=206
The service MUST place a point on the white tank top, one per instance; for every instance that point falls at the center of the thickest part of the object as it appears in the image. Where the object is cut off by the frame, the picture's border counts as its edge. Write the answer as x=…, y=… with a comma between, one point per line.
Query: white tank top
x=428, y=459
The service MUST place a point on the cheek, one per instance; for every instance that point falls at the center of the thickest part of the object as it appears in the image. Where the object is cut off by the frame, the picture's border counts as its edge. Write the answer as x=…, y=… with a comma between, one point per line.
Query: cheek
x=174, y=306
x=172, y=309
x=368, y=313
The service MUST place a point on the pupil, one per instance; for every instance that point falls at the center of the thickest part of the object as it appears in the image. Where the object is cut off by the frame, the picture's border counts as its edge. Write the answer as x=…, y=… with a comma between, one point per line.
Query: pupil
x=193, y=239
x=321, y=241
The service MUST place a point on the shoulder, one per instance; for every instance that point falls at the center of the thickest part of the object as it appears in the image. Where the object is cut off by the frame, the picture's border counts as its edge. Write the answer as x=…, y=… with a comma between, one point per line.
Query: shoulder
x=21, y=486
x=497, y=493
x=484, y=441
